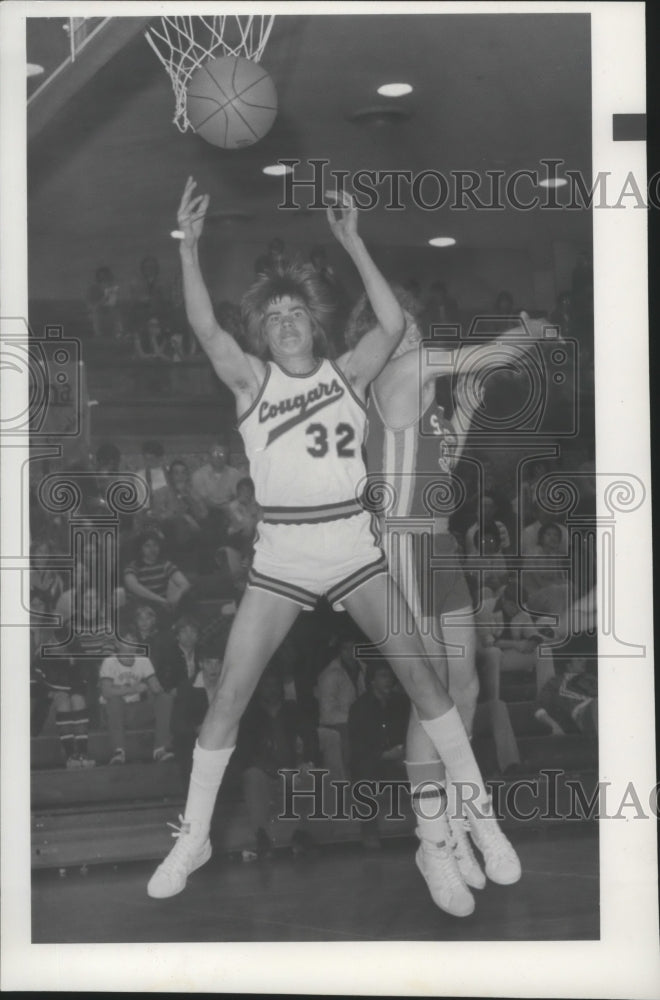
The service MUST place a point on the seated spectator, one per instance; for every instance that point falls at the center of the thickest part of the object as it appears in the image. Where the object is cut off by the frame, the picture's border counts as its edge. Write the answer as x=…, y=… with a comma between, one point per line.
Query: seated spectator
x=216, y=481
x=568, y=702
x=490, y=544
x=60, y=681
x=145, y=625
x=530, y=543
x=177, y=346
x=149, y=295
x=244, y=514
x=179, y=512
x=153, y=578
x=193, y=690
x=508, y=640
x=153, y=470
x=377, y=726
x=338, y=686
x=546, y=588
x=128, y=685
x=176, y=657
x=150, y=339
x=273, y=736
x=103, y=300
x=46, y=582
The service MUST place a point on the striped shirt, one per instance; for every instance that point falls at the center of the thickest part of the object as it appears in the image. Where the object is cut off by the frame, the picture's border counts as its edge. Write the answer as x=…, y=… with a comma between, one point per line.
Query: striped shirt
x=154, y=577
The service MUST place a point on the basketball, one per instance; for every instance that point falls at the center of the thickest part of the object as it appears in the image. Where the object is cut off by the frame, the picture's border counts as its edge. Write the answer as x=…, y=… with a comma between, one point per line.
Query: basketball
x=231, y=102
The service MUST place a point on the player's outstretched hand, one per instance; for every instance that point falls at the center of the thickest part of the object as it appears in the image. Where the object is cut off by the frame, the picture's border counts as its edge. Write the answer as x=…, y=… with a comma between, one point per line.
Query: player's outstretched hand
x=191, y=213
x=344, y=228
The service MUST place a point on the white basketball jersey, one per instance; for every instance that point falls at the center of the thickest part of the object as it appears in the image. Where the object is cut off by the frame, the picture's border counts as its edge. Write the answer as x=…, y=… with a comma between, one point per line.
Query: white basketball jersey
x=303, y=437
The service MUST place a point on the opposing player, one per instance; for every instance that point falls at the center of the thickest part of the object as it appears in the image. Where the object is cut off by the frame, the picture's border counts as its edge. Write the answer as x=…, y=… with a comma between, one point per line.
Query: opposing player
x=302, y=418
x=412, y=448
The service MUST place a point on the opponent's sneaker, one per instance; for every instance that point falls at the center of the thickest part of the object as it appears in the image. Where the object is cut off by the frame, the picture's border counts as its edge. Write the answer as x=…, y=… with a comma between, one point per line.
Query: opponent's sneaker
x=188, y=854
x=438, y=866
x=468, y=865
x=501, y=861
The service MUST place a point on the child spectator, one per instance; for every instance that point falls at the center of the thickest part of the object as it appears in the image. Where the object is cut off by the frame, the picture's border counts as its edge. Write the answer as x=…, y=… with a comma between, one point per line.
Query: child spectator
x=568, y=702
x=44, y=581
x=152, y=578
x=104, y=305
x=60, y=680
x=127, y=683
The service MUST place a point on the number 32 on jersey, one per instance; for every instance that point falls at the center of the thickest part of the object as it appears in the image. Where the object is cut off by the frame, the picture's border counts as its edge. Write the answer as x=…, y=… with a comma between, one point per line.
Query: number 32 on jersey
x=322, y=439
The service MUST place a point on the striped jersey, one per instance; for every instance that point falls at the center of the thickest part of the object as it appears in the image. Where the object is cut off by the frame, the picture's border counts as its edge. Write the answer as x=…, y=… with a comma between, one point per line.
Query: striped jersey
x=303, y=437
x=411, y=467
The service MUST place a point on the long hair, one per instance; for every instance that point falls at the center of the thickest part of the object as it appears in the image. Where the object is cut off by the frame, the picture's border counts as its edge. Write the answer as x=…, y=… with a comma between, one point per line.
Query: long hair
x=298, y=281
x=362, y=318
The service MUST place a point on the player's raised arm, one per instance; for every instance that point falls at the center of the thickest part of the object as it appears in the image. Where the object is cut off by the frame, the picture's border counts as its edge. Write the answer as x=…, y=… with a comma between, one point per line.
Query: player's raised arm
x=364, y=363
x=240, y=372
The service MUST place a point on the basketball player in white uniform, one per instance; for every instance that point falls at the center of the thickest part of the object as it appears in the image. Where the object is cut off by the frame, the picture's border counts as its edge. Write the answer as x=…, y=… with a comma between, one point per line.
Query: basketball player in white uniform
x=303, y=422
x=411, y=450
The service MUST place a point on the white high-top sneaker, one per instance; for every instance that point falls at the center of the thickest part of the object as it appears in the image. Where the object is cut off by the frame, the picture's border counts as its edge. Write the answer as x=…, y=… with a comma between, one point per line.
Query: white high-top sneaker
x=188, y=854
x=468, y=865
x=501, y=861
x=438, y=866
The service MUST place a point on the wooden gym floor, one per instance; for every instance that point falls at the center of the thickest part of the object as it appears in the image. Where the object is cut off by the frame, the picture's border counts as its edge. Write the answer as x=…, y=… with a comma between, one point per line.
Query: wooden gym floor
x=342, y=893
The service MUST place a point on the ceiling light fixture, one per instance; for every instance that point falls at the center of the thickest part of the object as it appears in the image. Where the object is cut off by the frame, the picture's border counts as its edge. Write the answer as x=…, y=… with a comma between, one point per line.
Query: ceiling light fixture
x=276, y=169
x=395, y=89
x=34, y=69
x=553, y=182
x=442, y=241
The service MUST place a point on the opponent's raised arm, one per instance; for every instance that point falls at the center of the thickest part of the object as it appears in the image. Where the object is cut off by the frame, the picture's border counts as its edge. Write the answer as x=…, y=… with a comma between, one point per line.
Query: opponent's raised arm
x=232, y=365
x=365, y=362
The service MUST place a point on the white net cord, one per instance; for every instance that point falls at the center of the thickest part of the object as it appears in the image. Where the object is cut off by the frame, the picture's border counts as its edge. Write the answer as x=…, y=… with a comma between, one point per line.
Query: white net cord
x=183, y=43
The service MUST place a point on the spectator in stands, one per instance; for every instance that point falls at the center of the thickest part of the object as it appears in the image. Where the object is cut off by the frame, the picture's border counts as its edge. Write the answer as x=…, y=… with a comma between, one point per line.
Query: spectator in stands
x=338, y=686
x=153, y=578
x=60, y=680
x=150, y=339
x=243, y=517
x=530, y=543
x=179, y=512
x=377, y=724
x=145, y=625
x=104, y=306
x=440, y=307
x=153, y=470
x=509, y=640
x=273, y=736
x=546, y=587
x=568, y=702
x=193, y=689
x=488, y=540
x=149, y=295
x=128, y=684
x=46, y=582
x=176, y=656
x=215, y=482
x=177, y=347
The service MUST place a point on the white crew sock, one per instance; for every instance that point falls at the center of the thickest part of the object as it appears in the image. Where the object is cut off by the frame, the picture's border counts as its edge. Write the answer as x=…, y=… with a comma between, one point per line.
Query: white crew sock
x=208, y=770
x=427, y=789
x=451, y=741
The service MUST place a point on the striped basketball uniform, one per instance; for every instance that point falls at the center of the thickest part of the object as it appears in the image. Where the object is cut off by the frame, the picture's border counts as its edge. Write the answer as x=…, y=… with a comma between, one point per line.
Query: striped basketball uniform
x=303, y=437
x=410, y=471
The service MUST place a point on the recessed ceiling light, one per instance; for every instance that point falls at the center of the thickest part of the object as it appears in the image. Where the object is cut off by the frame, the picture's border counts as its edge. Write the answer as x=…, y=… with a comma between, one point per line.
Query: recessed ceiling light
x=33, y=69
x=442, y=241
x=395, y=89
x=553, y=182
x=276, y=169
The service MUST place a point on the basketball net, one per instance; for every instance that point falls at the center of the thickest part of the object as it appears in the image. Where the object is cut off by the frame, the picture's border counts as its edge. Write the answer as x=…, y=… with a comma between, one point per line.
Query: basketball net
x=183, y=43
